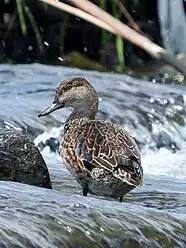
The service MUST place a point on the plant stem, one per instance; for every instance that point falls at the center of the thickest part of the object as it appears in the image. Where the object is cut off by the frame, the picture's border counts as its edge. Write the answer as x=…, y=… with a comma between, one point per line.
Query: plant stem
x=21, y=16
x=132, y=23
x=35, y=28
x=63, y=28
x=10, y=24
x=119, y=40
x=105, y=36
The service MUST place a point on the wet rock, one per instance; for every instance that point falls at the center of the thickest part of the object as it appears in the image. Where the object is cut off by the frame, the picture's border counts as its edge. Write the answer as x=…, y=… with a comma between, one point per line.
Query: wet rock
x=163, y=139
x=21, y=161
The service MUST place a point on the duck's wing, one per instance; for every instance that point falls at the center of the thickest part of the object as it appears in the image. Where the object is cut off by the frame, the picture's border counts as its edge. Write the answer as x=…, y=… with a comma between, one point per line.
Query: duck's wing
x=104, y=145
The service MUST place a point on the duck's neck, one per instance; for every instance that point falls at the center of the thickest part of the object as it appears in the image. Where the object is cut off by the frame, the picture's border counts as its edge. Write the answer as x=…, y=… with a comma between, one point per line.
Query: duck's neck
x=77, y=118
x=82, y=115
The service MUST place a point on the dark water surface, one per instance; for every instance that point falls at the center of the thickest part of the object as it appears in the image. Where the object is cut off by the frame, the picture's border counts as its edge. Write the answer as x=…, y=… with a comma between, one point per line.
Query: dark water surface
x=151, y=216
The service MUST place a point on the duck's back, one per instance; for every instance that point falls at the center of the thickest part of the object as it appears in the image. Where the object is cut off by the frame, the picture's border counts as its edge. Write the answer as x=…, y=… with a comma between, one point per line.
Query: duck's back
x=98, y=144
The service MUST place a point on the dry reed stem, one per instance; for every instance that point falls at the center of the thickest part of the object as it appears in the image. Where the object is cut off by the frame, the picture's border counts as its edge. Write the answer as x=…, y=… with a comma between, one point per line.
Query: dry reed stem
x=131, y=21
x=104, y=20
x=91, y=13
x=122, y=29
x=81, y=14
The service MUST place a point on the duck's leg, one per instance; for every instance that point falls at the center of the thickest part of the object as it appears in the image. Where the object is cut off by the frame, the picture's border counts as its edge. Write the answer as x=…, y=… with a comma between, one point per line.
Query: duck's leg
x=85, y=190
x=121, y=199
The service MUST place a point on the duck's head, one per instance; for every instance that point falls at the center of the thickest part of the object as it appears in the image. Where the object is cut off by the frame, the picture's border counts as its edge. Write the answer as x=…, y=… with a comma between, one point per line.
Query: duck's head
x=74, y=92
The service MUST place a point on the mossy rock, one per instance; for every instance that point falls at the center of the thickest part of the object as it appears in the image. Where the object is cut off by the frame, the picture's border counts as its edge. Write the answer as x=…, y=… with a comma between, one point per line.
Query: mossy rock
x=21, y=161
x=76, y=59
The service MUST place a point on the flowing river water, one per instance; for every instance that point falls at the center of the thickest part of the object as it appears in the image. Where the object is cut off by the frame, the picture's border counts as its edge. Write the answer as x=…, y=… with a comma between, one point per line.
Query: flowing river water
x=150, y=216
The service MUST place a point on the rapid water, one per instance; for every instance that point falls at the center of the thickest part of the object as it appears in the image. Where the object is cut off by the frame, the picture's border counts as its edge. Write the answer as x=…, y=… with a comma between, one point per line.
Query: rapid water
x=151, y=216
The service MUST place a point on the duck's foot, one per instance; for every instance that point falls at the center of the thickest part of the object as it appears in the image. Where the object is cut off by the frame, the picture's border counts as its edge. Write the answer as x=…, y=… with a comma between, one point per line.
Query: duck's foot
x=121, y=199
x=85, y=190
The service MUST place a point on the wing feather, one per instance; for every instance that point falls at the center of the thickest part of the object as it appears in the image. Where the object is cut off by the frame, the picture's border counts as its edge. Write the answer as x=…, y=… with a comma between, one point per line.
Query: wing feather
x=101, y=144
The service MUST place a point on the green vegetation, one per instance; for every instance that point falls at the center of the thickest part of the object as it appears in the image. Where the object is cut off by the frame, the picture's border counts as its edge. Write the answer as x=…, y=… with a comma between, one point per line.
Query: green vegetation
x=119, y=41
x=20, y=10
x=27, y=19
x=35, y=28
x=23, y=9
x=108, y=38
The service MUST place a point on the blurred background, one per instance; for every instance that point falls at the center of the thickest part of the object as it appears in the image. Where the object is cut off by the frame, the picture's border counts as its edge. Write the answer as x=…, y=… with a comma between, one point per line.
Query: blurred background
x=32, y=31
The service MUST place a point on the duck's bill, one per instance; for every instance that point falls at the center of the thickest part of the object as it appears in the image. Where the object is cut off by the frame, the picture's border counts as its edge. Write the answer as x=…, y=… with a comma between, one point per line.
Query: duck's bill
x=50, y=109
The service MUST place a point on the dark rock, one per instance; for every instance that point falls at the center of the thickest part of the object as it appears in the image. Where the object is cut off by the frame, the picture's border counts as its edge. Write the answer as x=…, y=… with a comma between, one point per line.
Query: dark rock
x=163, y=139
x=52, y=143
x=21, y=161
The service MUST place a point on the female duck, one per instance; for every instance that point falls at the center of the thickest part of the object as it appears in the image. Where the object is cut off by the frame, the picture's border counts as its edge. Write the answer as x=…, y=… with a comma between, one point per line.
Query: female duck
x=103, y=158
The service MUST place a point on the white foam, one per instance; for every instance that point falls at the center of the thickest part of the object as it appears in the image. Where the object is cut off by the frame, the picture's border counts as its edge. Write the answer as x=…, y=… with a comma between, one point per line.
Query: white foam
x=165, y=163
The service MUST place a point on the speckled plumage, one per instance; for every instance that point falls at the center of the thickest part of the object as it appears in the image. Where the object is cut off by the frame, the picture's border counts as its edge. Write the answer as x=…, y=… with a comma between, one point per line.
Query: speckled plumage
x=102, y=157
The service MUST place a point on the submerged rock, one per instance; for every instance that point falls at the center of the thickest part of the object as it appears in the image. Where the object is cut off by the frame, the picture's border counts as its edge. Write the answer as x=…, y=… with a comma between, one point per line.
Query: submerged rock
x=160, y=72
x=76, y=59
x=21, y=161
x=52, y=143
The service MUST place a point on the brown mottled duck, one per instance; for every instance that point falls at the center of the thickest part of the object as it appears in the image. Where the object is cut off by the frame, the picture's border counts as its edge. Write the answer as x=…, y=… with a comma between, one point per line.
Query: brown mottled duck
x=103, y=158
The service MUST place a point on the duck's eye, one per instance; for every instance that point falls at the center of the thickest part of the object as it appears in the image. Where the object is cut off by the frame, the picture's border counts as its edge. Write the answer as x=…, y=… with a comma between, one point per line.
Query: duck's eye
x=68, y=87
